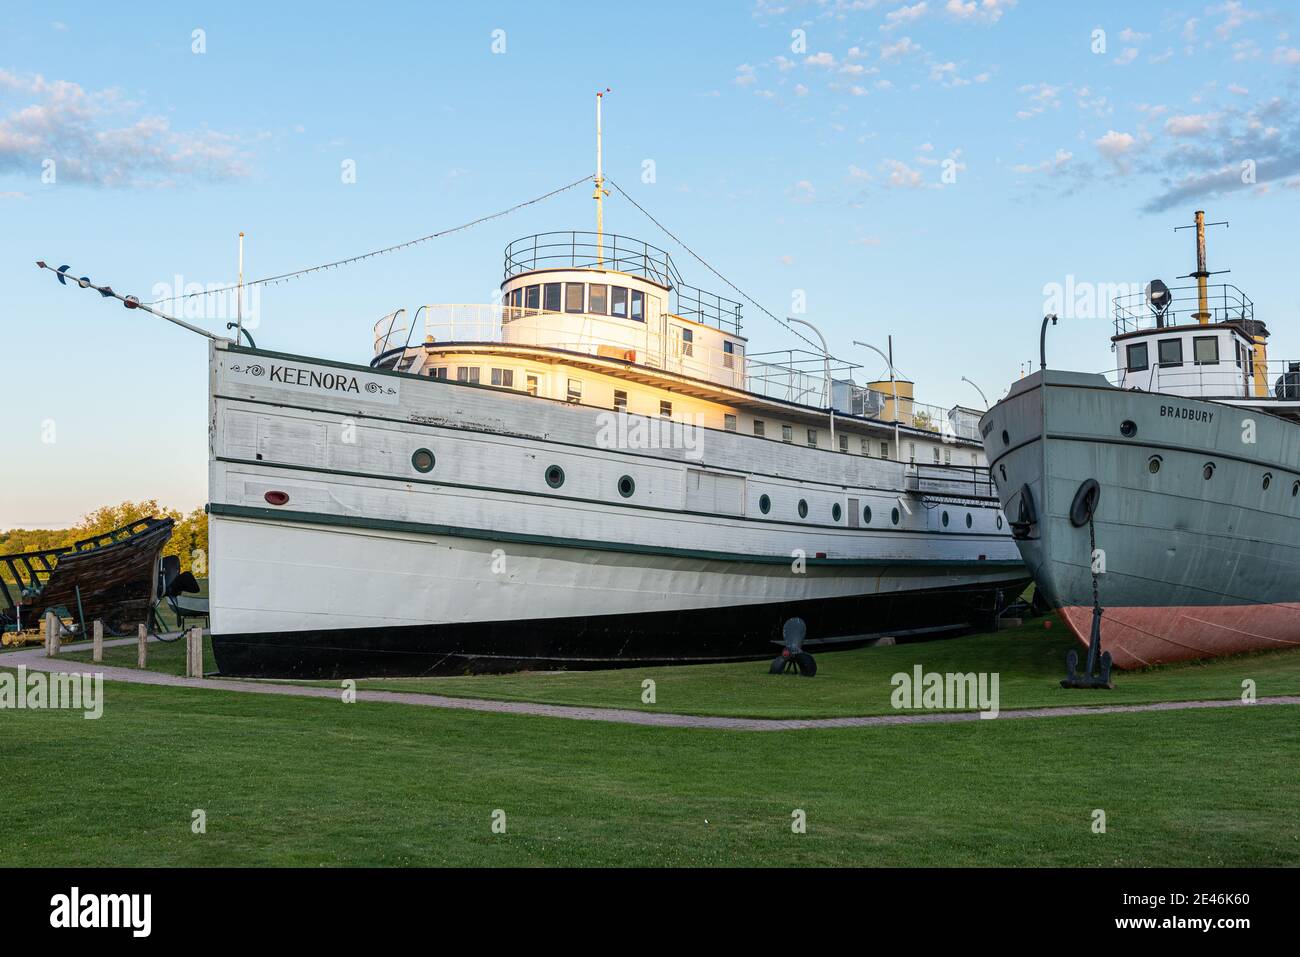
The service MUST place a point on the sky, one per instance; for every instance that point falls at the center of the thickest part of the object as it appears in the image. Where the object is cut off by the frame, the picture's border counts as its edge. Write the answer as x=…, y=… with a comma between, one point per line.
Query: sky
x=927, y=170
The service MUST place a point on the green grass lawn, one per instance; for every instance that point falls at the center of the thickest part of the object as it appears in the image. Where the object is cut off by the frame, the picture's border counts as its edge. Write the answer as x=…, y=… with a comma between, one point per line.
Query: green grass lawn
x=1030, y=661
x=165, y=657
x=315, y=782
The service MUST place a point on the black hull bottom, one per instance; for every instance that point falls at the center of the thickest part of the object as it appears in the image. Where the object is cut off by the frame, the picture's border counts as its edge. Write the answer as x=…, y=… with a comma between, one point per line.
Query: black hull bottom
x=696, y=636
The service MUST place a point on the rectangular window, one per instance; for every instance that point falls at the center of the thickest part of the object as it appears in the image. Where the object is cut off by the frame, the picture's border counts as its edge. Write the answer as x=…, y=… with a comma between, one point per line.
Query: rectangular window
x=844, y=443
x=911, y=451
x=728, y=354
x=884, y=450
x=438, y=372
x=598, y=300
x=551, y=297
x=947, y=456
x=620, y=400
x=638, y=305
x=517, y=298
x=787, y=434
x=618, y=301
x=759, y=428
x=866, y=447
x=573, y=296
x=1236, y=352
x=1170, y=352
x=467, y=374
x=504, y=378
x=533, y=299
x=532, y=385
x=812, y=438
x=665, y=408
x=1206, y=350
x=575, y=390
x=936, y=455
x=688, y=342
x=729, y=422
x=1137, y=357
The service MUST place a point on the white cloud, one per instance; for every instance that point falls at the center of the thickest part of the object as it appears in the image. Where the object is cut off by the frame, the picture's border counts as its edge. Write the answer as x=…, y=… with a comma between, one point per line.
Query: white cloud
x=1127, y=56
x=1191, y=124
x=904, y=15
x=745, y=75
x=979, y=11
x=1115, y=146
x=900, y=49
x=820, y=59
x=99, y=139
x=903, y=176
x=1056, y=163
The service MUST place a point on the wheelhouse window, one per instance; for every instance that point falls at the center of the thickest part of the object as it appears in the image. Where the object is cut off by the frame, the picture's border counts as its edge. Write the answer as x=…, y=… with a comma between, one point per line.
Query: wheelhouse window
x=729, y=422
x=532, y=299
x=1171, y=352
x=575, y=390
x=760, y=428
x=438, y=372
x=638, y=305
x=1206, y=350
x=598, y=300
x=935, y=450
x=551, y=297
x=787, y=434
x=812, y=438
x=688, y=342
x=844, y=442
x=866, y=447
x=618, y=301
x=574, y=296
x=620, y=400
x=504, y=378
x=517, y=298
x=884, y=450
x=531, y=386
x=1137, y=357
x=467, y=374
x=728, y=354
x=665, y=408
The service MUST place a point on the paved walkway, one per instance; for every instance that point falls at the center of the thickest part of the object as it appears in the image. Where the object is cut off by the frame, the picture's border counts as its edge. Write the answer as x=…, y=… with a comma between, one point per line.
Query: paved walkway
x=34, y=660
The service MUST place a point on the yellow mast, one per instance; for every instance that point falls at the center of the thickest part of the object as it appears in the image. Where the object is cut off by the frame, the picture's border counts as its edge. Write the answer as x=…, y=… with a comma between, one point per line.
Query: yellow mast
x=600, y=193
x=1202, y=276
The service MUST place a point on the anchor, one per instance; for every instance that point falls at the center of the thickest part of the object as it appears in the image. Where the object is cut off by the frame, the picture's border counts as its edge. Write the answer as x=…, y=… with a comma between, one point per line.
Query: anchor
x=1097, y=672
x=793, y=659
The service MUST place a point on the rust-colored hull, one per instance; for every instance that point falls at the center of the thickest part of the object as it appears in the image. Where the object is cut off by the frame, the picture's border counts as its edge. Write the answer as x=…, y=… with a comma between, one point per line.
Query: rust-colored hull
x=1136, y=637
x=117, y=582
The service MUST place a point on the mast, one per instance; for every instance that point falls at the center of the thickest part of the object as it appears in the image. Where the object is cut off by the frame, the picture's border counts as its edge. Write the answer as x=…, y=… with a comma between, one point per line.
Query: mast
x=239, y=294
x=1202, y=274
x=600, y=193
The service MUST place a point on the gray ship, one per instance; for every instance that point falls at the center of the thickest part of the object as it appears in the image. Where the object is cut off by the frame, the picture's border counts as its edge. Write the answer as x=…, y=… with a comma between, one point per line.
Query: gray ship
x=1162, y=500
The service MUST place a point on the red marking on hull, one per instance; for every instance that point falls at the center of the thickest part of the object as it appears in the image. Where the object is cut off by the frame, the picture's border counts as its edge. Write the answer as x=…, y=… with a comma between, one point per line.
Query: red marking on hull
x=1136, y=637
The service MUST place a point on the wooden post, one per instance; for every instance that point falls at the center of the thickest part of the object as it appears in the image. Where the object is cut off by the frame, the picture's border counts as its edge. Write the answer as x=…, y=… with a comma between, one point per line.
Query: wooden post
x=194, y=653
x=141, y=646
x=97, y=654
x=51, y=635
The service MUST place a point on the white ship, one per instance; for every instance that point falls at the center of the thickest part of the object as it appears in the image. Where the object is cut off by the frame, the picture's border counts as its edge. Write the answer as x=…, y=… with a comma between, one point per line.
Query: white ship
x=595, y=471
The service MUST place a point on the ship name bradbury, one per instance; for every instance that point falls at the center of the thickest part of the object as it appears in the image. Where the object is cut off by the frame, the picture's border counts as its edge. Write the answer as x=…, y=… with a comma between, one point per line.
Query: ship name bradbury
x=1186, y=412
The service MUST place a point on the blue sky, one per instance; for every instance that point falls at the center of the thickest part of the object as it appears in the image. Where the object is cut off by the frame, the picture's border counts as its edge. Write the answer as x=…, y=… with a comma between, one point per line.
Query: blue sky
x=798, y=146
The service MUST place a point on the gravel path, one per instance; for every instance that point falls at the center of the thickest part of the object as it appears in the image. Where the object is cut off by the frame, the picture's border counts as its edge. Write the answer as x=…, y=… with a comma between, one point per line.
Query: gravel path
x=35, y=660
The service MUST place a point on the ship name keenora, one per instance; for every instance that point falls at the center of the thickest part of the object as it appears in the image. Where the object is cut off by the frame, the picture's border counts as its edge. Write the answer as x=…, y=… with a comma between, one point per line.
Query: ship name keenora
x=308, y=377
x=1183, y=412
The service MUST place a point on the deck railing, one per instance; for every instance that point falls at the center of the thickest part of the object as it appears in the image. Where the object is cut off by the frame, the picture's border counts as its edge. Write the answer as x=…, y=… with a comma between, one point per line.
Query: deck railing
x=1224, y=303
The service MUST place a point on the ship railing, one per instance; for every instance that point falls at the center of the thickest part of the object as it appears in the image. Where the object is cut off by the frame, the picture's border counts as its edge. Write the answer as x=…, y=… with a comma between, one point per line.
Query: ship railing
x=1225, y=379
x=1224, y=303
x=579, y=249
x=790, y=375
x=959, y=480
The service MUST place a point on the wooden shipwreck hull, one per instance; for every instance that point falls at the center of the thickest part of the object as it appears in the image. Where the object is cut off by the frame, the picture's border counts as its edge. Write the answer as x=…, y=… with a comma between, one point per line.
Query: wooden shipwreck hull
x=111, y=577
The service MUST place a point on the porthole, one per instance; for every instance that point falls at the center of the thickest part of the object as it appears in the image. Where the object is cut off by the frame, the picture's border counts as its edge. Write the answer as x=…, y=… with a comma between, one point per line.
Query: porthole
x=1006, y=439
x=945, y=519
x=626, y=486
x=764, y=504
x=893, y=516
x=999, y=521
x=1128, y=428
x=1208, y=472
x=803, y=509
x=866, y=515
x=969, y=520
x=555, y=476
x=422, y=460
x=1153, y=464
x=836, y=512
x=1268, y=480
